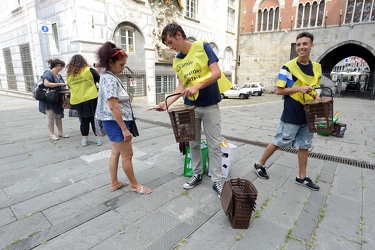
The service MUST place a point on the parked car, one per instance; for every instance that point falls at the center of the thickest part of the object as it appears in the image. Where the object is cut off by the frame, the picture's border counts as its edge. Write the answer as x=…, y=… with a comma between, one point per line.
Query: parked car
x=236, y=93
x=255, y=88
x=352, y=86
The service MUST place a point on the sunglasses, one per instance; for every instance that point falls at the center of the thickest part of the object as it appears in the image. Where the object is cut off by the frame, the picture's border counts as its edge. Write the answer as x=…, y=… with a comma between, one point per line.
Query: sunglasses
x=117, y=51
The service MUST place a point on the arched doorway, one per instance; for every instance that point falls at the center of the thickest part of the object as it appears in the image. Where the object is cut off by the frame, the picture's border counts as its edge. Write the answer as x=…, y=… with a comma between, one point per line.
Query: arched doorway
x=349, y=49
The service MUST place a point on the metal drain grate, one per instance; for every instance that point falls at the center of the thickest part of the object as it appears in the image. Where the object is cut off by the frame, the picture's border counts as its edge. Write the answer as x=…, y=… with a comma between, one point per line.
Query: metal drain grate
x=347, y=161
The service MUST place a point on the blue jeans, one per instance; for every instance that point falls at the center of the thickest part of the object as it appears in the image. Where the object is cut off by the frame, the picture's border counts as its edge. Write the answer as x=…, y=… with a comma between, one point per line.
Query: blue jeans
x=293, y=135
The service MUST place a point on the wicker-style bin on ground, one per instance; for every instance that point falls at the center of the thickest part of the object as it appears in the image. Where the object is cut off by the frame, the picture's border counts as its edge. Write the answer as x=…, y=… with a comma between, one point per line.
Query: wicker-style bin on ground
x=183, y=122
x=319, y=114
x=238, y=201
x=339, y=129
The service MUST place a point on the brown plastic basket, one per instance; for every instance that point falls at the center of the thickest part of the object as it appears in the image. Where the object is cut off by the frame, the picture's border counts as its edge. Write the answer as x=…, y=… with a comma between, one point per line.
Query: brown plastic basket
x=242, y=188
x=65, y=97
x=183, y=122
x=238, y=201
x=319, y=114
x=339, y=130
x=239, y=213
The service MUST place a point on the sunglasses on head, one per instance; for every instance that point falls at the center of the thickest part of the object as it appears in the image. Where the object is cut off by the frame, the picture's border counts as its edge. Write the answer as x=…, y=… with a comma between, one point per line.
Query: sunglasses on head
x=117, y=51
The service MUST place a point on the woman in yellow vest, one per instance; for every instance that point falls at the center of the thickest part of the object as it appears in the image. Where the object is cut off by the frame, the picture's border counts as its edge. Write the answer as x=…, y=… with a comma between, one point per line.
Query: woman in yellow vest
x=201, y=82
x=82, y=81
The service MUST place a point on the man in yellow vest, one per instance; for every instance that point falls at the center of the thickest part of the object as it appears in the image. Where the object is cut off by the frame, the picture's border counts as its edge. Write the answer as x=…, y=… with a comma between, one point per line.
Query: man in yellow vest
x=200, y=82
x=296, y=81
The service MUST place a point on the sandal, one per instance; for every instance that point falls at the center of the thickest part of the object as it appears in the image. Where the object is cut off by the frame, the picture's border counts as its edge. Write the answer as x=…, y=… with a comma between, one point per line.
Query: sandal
x=141, y=190
x=120, y=185
x=63, y=135
x=54, y=137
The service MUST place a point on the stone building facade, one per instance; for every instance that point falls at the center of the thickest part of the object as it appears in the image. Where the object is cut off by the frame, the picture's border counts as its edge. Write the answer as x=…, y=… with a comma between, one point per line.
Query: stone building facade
x=342, y=28
x=33, y=31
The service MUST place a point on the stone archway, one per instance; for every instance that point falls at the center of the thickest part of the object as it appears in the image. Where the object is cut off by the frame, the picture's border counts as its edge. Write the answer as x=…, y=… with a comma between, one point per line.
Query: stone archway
x=345, y=49
x=351, y=48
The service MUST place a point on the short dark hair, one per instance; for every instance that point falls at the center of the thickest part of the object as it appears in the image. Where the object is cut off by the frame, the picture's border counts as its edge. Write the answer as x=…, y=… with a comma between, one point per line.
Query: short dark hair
x=305, y=34
x=55, y=62
x=171, y=29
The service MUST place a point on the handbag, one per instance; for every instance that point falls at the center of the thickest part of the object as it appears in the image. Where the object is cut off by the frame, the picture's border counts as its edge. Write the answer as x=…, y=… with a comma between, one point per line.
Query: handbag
x=133, y=128
x=99, y=129
x=52, y=95
x=40, y=93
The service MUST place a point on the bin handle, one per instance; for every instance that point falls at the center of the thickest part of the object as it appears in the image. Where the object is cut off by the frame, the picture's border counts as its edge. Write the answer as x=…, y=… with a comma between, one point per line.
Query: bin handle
x=166, y=104
x=319, y=88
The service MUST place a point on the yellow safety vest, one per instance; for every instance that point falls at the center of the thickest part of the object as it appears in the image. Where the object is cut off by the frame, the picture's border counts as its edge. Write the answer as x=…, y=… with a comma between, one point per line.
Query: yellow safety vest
x=304, y=80
x=82, y=87
x=193, y=68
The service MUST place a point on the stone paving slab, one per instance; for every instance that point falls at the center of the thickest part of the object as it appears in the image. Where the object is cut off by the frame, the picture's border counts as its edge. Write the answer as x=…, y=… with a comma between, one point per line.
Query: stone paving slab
x=328, y=240
x=22, y=228
x=346, y=225
x=90, y=234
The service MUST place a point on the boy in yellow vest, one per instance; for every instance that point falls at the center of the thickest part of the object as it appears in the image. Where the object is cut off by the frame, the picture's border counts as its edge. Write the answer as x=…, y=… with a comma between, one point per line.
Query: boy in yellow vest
x=297, y=78
x=198, y=74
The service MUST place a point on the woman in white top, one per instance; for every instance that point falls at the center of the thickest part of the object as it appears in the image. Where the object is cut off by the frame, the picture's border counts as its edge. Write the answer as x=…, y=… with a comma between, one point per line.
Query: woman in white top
x=115, y=112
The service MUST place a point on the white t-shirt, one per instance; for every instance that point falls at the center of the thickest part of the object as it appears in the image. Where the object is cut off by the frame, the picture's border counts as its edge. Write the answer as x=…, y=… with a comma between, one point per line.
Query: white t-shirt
x=111, y=86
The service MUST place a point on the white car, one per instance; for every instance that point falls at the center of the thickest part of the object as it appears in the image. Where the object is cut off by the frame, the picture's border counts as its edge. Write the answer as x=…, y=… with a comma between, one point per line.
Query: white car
x=236, y=93
x=255, y=88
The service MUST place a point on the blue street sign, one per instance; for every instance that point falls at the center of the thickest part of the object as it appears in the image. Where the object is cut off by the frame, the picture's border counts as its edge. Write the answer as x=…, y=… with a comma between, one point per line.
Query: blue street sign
x=45, y=29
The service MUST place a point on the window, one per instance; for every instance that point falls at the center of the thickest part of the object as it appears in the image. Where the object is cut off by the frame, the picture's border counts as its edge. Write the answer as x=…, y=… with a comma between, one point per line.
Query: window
x=165, y=84
x=310, y=15
x=127, y=40
x=214, y=48
x=360, y=11
x=357, y=11
x=270, y=20
x=54, y=45
x=228, y=57
x=293, y=52
x=11, y=78
x=300, y=13
x=314, y=13
x=276, y=20
x=349, y=11
x=321, y=13
x=265, y=17
x=27, y=66
x=306, y=17
x=191, y=8
x=232, y=3
x=366, y=11
x=231, y=16
x=260, y=13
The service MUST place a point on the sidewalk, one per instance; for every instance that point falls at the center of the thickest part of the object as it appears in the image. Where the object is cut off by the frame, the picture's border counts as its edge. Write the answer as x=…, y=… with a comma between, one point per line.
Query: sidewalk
x=55, y=195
